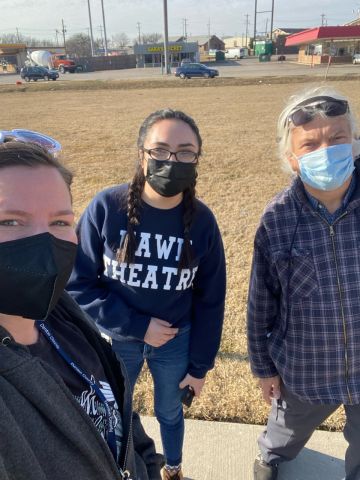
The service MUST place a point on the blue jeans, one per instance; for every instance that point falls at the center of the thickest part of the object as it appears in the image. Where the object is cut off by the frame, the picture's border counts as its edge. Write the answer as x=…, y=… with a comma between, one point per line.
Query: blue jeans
x=168, y=365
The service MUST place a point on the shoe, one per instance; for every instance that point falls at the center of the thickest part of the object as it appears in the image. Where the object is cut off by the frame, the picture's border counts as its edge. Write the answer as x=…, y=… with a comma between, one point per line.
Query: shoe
x=167, y=474
x=264, y=471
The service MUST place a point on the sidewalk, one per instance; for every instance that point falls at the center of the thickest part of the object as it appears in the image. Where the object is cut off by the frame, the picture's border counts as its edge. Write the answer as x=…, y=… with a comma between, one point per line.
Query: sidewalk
x=225, y=451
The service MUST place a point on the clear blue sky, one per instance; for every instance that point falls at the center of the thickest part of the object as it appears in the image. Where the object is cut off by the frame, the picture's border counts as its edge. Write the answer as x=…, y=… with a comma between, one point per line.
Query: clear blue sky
x=40, y=18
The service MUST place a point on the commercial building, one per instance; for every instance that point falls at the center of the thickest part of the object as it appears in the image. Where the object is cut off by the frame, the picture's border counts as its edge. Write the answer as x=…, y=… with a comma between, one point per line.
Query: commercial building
x=12, y=57
x=279, y=36
x=152, y=54
x=316, y=45
x=235, y=42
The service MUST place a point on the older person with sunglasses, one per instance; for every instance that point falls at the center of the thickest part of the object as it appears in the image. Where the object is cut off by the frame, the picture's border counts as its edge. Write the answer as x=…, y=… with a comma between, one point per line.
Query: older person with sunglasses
x=304, y=302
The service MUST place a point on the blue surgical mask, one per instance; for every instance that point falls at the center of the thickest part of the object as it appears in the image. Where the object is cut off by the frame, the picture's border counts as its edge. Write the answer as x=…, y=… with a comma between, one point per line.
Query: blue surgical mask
x=327, y=168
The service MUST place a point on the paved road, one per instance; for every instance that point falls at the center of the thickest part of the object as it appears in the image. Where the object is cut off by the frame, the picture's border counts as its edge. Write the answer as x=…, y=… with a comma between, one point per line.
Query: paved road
x=250, y=67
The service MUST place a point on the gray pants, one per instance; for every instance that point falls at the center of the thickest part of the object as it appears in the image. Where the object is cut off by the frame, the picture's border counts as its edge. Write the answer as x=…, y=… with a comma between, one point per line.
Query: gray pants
x=291, y=423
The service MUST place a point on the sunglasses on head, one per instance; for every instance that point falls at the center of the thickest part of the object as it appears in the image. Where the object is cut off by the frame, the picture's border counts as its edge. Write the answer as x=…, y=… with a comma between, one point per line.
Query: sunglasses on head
x=306, y=110
x=21, y=135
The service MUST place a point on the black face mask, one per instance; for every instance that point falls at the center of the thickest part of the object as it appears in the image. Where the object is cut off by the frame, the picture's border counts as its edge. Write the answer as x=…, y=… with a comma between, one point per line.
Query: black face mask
x=33, y=274
x=170, y=178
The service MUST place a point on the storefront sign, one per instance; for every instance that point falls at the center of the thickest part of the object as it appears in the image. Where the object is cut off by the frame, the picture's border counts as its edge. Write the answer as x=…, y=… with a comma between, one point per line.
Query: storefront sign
x=171, y=48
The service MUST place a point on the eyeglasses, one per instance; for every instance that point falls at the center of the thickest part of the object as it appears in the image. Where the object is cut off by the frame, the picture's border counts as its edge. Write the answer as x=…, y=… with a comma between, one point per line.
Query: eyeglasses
x=307, y=110
x=183, y=156
x=21, y=135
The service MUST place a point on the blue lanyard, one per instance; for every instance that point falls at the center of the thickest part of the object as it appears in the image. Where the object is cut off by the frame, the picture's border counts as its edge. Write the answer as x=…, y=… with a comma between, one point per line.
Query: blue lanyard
x=111, y=438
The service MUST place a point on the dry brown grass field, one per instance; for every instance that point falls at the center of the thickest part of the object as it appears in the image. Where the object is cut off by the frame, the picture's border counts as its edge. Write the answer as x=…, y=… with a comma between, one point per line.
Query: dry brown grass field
x=239, y=173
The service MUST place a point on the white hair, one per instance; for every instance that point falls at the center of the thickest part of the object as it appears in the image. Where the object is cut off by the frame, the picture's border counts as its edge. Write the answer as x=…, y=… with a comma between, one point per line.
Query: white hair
x=284, y=127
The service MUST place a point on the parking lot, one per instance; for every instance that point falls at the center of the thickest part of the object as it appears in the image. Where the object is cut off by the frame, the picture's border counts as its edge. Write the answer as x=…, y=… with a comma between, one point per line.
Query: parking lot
x=249, y=67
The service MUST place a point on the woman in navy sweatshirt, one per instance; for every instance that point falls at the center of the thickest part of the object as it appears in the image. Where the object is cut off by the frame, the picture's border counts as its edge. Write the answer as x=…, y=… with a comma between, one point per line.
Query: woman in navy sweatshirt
x=150, y=271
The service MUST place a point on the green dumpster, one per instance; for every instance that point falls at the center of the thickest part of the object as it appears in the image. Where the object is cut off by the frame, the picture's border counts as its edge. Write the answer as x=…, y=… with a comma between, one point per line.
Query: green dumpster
x=219, y=56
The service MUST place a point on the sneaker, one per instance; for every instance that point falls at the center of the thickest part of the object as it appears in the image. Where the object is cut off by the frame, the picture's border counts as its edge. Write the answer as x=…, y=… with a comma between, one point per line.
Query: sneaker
x=167, y=474
x=264, y=471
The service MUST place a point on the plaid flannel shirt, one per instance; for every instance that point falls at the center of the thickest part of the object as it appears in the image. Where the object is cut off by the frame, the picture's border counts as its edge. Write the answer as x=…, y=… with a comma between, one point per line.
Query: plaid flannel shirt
x=304, y=298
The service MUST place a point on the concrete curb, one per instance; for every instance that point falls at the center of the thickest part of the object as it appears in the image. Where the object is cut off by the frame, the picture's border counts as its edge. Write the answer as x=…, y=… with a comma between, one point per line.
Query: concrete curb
x=226, y=451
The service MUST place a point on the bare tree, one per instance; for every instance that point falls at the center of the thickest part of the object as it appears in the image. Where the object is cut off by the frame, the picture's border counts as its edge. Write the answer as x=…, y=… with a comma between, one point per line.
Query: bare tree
x=27, y=40
x=119, y=40
x=79, y=45
x=152, y=37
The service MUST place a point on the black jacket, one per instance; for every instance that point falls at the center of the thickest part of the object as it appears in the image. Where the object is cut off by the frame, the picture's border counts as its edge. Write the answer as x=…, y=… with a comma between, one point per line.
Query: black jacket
x=44, y=432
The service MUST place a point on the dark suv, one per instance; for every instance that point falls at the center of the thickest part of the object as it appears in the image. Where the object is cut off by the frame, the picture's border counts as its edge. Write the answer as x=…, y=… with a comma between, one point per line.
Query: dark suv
x=189, y=70
x=36, y=73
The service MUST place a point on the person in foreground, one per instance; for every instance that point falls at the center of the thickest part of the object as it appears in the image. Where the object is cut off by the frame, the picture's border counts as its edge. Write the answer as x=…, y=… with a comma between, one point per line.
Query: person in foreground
x=64, y=399
x=151, y=271
x=304, y=302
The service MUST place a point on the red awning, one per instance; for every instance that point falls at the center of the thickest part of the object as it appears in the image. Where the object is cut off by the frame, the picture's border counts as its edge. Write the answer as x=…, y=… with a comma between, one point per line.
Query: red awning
x=323, y=33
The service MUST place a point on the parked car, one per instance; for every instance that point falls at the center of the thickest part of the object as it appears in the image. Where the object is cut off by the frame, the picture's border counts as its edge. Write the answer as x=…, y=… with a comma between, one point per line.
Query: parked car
x=195, y=70
x=38, y=73
x=356, y=58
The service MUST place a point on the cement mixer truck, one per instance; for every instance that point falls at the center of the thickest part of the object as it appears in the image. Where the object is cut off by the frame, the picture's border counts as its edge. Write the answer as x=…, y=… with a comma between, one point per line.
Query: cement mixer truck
x=60, y=62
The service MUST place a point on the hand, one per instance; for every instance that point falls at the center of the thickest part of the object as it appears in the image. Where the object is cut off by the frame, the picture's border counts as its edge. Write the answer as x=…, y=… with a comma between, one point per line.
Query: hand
x=270, y=388
x=196, y=383
x=159, y=332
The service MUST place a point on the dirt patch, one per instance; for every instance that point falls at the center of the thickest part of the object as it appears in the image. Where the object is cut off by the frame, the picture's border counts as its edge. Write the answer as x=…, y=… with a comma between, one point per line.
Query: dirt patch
x=169, y=82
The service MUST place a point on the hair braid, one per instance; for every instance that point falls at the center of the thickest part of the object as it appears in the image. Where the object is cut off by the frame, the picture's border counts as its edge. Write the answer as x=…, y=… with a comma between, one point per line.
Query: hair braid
x=127, y=249
x=187, y=255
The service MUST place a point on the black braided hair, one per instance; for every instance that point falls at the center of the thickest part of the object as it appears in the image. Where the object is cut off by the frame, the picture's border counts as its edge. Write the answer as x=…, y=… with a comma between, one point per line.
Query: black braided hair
x=187, y=255
x=126, y=252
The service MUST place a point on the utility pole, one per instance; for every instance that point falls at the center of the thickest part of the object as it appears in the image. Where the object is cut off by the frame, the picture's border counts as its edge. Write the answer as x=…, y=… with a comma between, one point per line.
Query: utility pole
x=185, y=28
x=266, y=24
x=209, y=35
x=166, y=39
x=57, y=37
x=63, y=32
x=255, y=23
x=102, y=36
x=247, y=30
x=323, y=19
x=139, y=31
x=105, y=37
x=17, y=35
x=272, y=20
x=91, y=30
x=264, y=11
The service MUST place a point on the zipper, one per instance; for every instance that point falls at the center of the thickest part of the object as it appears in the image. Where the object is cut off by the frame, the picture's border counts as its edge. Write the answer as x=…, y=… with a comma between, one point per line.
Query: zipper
x=123, y=471
x=125, y=474
x=332, y=236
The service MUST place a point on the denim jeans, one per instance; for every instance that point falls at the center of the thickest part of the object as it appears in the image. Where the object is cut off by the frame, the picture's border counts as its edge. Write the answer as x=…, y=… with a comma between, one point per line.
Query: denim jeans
x=168, y=365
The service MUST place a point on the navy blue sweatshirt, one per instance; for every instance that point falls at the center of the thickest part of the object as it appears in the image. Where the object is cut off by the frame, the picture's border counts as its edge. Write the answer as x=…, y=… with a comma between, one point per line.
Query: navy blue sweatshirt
x=122, y=298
